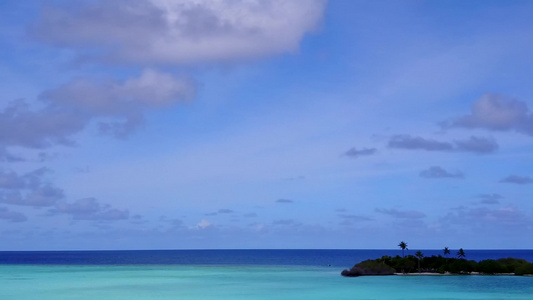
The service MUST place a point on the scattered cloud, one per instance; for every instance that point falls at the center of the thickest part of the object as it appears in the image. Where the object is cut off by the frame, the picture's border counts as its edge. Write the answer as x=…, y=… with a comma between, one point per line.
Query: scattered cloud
x=34, y=190
x=355, y=153
x=46, y=127
x=203, y=224
x=11, y=216
x=118, y=105
x=178, y=32
x=479, y=145
x=6, y=156
x=354, y=218
x=176, y=223
x=44, y=196
x=497, y=112
x=123, y=101
x=418, y=143
x=30, y=189
x=177, y=35
x=490, y=198
x=438, y=172
x=284, y=201
x=483, y=216
x=11, y=180
x=173, y=222
x=220, y=211
x=286, y=222
x=516, y=179
x=406, y=214
x=90, y=209
x=45, y=157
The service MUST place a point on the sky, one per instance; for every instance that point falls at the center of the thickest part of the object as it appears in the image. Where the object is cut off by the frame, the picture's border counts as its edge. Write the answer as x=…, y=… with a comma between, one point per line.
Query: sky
x=251, y=124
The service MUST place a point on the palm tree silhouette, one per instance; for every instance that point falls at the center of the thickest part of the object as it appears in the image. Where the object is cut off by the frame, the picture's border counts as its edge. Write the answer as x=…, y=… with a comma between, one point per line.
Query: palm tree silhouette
x=403, y=245
x=461, y=253
x=446, y=251
x=419, y=255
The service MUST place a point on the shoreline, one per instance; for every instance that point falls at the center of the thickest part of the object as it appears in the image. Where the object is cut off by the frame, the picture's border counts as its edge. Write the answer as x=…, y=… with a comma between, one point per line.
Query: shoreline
x=453, y=274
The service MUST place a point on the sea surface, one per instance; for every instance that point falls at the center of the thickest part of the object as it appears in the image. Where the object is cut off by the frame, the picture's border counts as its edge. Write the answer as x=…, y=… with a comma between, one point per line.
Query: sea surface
x=238, y=274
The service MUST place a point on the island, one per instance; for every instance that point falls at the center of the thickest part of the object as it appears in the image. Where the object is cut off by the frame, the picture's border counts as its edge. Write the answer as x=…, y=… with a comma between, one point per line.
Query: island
x=433, y=265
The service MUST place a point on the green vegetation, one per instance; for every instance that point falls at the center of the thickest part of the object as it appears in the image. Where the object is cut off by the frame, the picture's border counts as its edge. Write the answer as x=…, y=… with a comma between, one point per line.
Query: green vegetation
x=446, y=251
x=387, y=265
x=439, y=264
x=369, y=267
x=419, y=255
x=461, y=253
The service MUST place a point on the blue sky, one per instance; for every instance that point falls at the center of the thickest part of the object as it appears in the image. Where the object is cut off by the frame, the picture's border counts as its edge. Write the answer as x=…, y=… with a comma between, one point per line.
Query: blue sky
x=191, y=124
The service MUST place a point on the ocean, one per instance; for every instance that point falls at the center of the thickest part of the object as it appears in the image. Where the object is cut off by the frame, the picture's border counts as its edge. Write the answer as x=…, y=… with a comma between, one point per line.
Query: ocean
x=238, y=274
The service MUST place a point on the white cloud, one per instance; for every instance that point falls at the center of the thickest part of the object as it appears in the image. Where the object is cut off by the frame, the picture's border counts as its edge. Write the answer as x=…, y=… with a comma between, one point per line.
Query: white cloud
x=203, y=224
x=22, y=126
x=497, y=112
x=151, y=89
x=69, y=108
x=180, y=31
x=126, y=101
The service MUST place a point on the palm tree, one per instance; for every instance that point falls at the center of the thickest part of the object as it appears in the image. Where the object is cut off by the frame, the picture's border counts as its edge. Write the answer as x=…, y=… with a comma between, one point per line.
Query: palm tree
x=461, y=253
x=403, y=245
x=419, y=255
x=446, y=251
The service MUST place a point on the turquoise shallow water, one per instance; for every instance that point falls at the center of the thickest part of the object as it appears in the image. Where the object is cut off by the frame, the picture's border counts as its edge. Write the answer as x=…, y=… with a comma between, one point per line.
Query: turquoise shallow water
x=23, y=282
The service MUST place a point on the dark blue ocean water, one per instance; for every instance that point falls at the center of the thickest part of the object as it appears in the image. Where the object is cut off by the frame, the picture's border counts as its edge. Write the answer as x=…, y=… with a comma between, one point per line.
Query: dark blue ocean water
x=334, y=258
